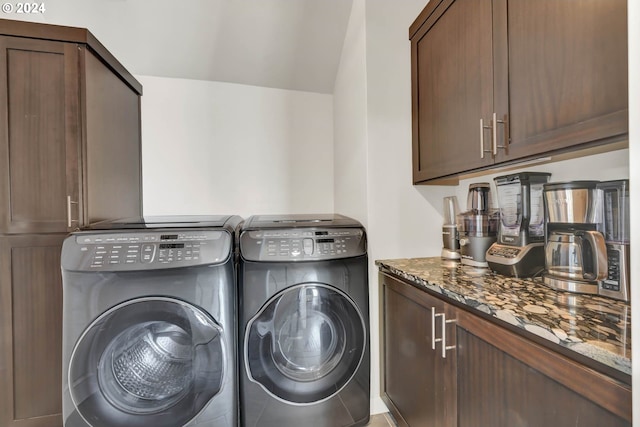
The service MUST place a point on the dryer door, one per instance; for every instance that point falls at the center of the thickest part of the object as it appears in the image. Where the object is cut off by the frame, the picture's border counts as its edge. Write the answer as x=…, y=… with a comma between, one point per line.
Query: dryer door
x=147, y=362
x=305, y=344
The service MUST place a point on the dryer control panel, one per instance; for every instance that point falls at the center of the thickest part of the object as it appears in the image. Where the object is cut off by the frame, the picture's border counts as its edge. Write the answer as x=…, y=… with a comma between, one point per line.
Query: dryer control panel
x=302, y=244
x=144, y=249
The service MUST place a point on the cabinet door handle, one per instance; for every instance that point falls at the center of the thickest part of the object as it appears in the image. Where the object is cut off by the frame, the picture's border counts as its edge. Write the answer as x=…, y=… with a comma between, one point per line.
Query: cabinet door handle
x=482, y=128
x=494, y=131
x=69, y=220
x=434, y=340
x=445, y=347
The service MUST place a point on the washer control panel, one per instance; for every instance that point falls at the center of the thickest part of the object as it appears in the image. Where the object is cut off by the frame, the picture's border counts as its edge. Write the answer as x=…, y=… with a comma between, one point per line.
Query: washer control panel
x=302, y=244
x=144, y=249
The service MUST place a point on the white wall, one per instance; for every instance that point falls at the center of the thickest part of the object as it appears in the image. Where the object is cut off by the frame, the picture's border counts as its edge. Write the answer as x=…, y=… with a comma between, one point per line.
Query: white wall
x=372, y=121
x=350, y=157
x=633, y=10
x=350, y=121
x=401, y=216
x=221, y=148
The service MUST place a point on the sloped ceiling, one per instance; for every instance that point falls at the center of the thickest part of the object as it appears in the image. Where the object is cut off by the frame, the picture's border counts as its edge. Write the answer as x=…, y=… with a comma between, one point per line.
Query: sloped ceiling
x=287, y=44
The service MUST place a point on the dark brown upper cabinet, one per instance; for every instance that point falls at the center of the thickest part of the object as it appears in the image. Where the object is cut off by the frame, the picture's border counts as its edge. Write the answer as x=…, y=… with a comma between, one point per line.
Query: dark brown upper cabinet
x=70, y=150
x=500, y=81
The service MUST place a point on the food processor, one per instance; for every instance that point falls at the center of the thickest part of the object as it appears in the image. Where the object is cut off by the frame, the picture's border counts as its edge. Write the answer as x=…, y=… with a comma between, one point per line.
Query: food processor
x=519, y=249
x=477, y=227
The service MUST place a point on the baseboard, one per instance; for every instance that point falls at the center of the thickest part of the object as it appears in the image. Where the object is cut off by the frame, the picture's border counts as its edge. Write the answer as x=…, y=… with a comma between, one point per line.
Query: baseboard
x=378, y=406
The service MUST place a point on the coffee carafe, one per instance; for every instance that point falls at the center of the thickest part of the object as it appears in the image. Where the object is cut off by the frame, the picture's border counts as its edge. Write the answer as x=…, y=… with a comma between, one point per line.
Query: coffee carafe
x=519, y=250
x=477, y=227
x=615, y=200
x=450, y=244
x=575, y=251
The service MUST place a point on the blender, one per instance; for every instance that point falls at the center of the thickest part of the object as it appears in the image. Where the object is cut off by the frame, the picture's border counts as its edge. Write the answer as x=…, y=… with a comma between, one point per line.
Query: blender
x=615, y=200
x=450, y=244
x=477, y=227
x=575, y=251
x=519, y=250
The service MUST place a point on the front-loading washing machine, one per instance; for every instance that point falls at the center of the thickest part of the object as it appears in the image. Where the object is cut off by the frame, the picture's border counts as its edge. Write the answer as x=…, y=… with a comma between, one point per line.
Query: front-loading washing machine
x=303, y=322
x=149, y=335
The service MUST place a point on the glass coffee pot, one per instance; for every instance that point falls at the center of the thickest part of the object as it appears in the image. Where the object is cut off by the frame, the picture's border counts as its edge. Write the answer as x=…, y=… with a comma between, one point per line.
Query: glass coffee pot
x=576, y=255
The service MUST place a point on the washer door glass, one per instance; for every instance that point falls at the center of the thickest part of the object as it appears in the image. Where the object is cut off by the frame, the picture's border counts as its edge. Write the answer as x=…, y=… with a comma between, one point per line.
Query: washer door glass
x=151, y=361
x=305, y=344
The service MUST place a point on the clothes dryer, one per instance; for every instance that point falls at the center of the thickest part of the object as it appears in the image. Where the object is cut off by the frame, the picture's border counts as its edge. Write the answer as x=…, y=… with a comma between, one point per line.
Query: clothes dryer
x=149, y=336
x=304, y=322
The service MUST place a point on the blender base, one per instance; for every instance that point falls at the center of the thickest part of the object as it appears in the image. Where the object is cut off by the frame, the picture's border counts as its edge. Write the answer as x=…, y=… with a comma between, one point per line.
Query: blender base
x=474, y=263
x=516, y=261
x=449, y=254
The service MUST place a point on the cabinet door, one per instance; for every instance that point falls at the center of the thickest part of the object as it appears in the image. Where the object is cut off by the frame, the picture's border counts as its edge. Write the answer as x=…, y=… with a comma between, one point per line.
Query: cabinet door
x=418, y=385
x=39, y=151
x=30, y=331
x=112, y=162
x=567, y=73
x=506, y=380
x=452, y=89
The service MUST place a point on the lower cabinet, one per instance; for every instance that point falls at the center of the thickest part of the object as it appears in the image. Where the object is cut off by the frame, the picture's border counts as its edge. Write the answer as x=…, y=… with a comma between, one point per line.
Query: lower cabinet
x=487, y=374
x=418, y=383
x=30, y=330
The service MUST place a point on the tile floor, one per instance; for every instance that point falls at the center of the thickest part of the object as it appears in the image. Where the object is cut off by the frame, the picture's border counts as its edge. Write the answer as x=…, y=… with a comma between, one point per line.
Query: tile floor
x=381, y=420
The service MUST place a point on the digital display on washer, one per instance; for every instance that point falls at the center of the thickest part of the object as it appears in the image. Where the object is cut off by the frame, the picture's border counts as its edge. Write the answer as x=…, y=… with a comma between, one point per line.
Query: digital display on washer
x=168, y=237
x=171, y=245
x=324, y=240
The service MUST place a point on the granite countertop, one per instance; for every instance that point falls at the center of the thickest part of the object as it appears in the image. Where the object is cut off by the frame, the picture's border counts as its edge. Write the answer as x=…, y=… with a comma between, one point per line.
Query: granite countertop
x=596, y=327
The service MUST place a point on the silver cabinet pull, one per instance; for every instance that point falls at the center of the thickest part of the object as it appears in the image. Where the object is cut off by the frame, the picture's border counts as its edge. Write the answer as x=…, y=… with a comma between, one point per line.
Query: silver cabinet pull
x=69, y=220
x=446, y=347
x=482, y=128
x=494, y=131
x=433, y=328
x=443, y=331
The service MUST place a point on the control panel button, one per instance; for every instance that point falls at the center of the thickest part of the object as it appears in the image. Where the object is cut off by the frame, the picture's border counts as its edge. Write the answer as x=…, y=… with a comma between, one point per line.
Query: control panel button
x=307, y=246
x=148, y=252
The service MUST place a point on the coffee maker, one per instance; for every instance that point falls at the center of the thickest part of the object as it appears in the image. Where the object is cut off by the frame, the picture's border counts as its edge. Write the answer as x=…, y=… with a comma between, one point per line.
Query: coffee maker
x=519, y=250
x=477, y=227
x=575, y=251
x=450, y=243
x=615, y=204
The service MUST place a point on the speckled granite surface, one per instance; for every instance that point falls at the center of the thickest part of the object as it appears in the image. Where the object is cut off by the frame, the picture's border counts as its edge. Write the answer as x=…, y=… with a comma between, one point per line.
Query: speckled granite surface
x=596, y=327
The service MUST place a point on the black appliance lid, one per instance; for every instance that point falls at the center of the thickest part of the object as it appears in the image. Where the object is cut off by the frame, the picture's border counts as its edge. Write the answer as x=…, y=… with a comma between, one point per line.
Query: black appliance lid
x=299, y=221
x=168, y=221
x=524, y=177
x=617, y=183
x=570, y=185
